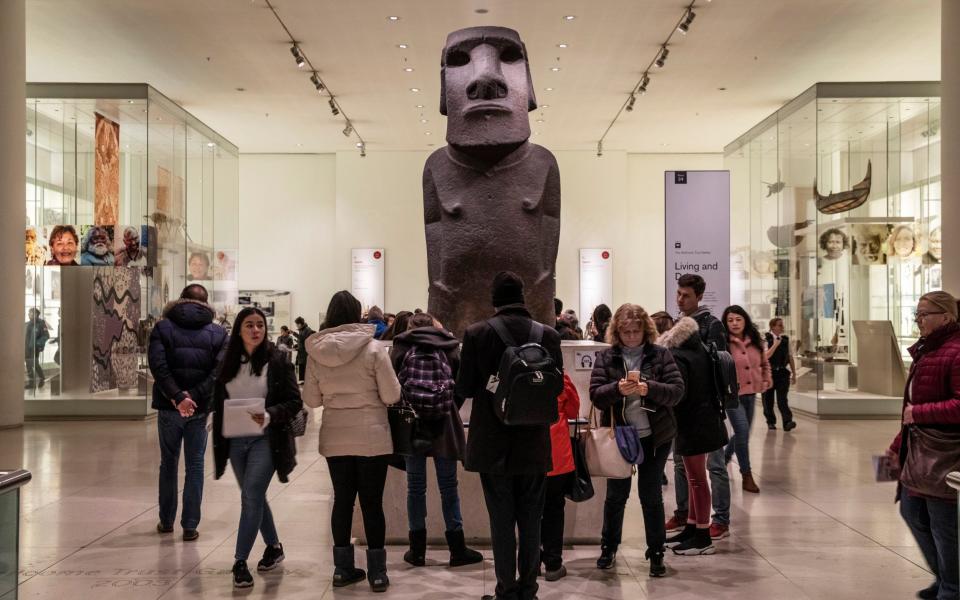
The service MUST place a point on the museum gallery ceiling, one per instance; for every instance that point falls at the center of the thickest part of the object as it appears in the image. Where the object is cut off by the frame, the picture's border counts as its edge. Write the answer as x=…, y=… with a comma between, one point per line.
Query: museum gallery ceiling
x=201, y=54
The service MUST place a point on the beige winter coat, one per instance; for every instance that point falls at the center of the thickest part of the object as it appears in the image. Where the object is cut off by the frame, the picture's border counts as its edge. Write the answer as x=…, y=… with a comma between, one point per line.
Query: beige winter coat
x=350, y=376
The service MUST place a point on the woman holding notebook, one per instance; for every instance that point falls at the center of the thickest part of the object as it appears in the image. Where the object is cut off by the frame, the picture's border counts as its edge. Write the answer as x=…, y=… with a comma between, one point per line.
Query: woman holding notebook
x=255, y=382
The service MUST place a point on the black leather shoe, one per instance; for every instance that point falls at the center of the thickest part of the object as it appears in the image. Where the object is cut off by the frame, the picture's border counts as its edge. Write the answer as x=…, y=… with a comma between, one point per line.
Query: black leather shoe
x=608, y=558
x=930, y=592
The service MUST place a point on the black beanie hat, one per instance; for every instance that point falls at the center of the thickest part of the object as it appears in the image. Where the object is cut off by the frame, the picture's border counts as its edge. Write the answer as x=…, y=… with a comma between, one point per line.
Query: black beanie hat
x=507, y=289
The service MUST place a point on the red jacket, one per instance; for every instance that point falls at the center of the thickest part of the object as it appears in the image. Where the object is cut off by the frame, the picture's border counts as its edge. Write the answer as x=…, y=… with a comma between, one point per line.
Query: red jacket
x=568, y=405
x=933, y=386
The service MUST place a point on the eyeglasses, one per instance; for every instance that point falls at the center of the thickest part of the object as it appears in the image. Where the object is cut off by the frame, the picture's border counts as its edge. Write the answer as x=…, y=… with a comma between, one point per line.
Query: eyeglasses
x=919, y=315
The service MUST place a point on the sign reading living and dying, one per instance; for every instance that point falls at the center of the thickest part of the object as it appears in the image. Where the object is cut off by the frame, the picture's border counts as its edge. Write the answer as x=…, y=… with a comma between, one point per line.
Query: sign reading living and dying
x=697, y=219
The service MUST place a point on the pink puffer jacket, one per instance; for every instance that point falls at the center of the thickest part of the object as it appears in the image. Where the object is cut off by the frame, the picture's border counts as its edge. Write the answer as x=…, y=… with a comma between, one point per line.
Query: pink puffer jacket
x=753, y=368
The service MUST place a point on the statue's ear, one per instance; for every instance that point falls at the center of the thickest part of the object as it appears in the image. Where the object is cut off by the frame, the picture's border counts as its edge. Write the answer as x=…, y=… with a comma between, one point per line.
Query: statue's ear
x=531, y=95
x=443, y=83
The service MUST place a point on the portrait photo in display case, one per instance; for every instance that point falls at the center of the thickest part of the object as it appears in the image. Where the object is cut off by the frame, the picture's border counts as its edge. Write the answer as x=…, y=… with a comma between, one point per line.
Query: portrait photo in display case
x=853, y=224
x=869, y=243
x=121, y=186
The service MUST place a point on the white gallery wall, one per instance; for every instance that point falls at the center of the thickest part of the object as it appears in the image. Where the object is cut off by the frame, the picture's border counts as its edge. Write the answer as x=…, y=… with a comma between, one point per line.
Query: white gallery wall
x=301, y=214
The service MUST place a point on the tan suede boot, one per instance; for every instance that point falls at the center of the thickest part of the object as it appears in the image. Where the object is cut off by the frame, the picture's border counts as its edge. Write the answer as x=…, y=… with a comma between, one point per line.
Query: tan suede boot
x=749, y=485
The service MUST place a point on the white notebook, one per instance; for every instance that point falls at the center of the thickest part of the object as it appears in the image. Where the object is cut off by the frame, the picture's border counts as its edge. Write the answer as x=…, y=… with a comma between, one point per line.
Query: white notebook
x=237, y=419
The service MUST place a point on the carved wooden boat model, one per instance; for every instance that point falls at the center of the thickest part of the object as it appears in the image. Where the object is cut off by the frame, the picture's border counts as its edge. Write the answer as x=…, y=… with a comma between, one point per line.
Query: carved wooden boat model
x=832, y=204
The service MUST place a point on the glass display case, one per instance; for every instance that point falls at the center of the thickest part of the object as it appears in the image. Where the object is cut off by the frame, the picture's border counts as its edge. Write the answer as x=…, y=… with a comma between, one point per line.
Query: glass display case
x=835, y=228
x=129, y=198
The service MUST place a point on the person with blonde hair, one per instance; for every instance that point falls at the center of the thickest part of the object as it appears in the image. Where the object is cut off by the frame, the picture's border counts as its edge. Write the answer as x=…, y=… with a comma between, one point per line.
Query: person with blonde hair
x=636, y=383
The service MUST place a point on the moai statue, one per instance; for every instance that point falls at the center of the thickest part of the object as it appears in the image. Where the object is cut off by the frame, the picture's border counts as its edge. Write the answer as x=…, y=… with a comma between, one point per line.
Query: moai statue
x=491, y=199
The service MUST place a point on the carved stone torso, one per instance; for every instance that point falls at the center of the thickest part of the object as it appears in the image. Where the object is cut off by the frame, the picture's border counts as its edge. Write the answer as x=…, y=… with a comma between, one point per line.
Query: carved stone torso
x=482, y=220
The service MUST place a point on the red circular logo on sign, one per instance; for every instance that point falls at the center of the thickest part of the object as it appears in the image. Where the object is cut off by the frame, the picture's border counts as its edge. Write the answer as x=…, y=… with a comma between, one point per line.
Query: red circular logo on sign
x=377, y=255
x=605, y=255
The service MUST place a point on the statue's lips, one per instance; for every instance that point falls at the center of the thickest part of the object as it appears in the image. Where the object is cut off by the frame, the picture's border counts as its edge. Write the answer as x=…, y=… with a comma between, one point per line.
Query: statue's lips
x=486, y=108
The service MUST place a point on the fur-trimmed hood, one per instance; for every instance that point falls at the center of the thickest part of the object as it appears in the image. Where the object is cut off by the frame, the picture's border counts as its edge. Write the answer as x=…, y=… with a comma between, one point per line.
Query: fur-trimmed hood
x=681, y=332
x=189, y=314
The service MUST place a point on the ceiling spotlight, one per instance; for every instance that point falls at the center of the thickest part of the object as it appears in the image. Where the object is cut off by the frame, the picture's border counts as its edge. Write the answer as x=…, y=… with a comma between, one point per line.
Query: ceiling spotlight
x=643, y=84
x=359, y=144
x=688, y=19
x=539, y=120
x=333, y=107
x=562, y=46
x=554, y=69
x=419, y=106
x=428, y=133
x=347, y=130
x=423, y=120
x=600, y=148
x=408, y=69
x=403, y=46
x=544, y=106
x=549, y=89
x=569, y=17
x=315, y=79
x=414, y=90
x=393, y=18
x=662, y=58
x=298, y=56
x=630, y=103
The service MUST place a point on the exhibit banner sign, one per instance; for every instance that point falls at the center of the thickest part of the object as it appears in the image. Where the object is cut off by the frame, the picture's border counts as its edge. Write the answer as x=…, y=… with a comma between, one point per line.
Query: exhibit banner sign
x=366, y=265
x=596, y=280
x=697, y=220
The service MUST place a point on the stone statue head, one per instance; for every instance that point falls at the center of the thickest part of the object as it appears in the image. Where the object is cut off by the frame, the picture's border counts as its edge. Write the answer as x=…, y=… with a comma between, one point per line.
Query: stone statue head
x=486, y=89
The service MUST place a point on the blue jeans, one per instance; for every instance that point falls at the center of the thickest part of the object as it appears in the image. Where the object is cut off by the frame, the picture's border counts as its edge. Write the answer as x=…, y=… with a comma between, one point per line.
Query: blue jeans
x=191, y=433
x=719, y=486
x=934, y=525
x=741, y=419
x=252, y=463
x=417, y=492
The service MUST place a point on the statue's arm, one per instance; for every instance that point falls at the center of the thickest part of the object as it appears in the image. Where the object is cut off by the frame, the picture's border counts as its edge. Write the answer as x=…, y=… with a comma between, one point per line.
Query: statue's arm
x=551, y=217
x=432, y=225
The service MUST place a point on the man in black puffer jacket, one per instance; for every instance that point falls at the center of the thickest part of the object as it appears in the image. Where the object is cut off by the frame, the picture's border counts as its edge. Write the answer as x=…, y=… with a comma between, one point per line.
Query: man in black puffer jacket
x=185, y=350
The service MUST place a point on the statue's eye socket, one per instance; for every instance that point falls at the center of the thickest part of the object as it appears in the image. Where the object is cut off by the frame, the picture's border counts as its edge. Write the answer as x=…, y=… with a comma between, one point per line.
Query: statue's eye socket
x=458, y=58
x=511, y=54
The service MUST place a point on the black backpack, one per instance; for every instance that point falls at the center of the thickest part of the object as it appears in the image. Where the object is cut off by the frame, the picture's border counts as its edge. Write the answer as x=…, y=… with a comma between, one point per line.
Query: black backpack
x=528, y=379
x=724, y=376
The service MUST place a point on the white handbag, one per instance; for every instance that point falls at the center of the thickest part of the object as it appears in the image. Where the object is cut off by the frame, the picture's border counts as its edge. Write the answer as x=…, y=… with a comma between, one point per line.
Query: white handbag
x=601, y=450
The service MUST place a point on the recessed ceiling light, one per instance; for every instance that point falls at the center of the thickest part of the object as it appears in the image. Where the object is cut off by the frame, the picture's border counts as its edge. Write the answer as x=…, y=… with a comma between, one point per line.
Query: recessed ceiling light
x=562, y=46
x=408, y=69
x=359, y=144
x=554, y=69
x=403, y=46
x=427, y=133
x=210, y=144
x=549, y=89
x=129, y=101
x=414, y=90
x=539, y=120
x=393, y=18
x=299, y=145
x=423, y=121
x=569, y=17
x=419, y=106
x=545, y=106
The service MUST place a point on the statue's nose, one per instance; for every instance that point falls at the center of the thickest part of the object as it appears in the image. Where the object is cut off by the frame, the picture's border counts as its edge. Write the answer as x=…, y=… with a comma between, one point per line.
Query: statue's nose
x=487, y=82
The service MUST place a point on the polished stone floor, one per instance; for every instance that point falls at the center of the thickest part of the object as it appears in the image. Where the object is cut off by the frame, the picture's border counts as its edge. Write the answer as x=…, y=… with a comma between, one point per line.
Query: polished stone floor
x=820, y=528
